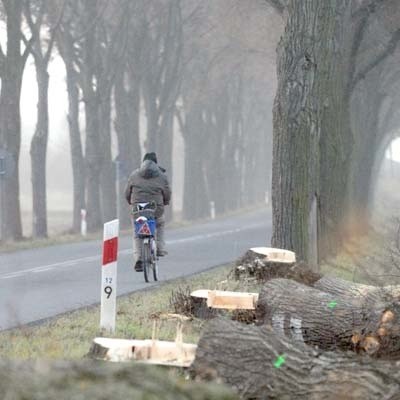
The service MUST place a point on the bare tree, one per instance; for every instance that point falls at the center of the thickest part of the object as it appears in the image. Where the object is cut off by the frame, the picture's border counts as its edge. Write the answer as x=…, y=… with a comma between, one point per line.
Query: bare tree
x=41, y=50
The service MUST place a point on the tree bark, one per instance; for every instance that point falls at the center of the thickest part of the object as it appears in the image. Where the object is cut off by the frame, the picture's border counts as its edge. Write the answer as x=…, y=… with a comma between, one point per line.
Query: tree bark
x=367, y=293
x=260, y=364
x=311, y=126
x=329, y=321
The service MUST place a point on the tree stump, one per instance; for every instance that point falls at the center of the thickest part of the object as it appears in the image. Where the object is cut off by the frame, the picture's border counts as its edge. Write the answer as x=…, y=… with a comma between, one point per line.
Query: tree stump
x=256, y=264
x=264, y=263
x=327, y=321
x=261, y=364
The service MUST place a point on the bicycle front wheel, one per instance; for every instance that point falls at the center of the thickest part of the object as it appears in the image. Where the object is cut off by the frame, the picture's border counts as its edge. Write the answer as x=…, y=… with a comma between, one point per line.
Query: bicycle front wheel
x=146, y=255
x=154, y=259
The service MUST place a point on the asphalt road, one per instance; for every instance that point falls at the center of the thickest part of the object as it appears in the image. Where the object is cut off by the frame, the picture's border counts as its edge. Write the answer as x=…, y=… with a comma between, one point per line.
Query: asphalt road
x=43, y=282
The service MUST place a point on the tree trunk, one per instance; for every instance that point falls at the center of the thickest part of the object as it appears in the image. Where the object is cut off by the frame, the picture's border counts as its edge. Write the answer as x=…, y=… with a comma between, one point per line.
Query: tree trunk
x=39, y=155
x=311, y=126
x=108, y=173
x=93, y=162
x=260, y=364
x=164, y=152
x=10, y=120
x=127, y=104
x=327, y=321
x=77, y=159
x=65, y=44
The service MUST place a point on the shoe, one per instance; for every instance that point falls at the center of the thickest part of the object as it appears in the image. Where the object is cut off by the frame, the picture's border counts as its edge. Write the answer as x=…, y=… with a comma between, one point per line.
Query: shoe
x=161, y=253
x=138, y=266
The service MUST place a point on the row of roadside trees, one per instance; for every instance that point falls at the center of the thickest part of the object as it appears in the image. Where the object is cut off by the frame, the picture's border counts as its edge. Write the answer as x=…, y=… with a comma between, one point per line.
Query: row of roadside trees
x=198, y=66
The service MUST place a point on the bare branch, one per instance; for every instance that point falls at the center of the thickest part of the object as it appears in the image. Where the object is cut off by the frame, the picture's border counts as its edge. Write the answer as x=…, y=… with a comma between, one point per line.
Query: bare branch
x=361, y=18
x=53, y=31
x=277, y=5
x=28, y=47
x=388, y=51
x=367, y=7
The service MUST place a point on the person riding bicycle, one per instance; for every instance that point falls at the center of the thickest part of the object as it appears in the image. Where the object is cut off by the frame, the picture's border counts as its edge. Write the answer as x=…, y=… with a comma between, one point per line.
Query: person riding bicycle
x=149, y=183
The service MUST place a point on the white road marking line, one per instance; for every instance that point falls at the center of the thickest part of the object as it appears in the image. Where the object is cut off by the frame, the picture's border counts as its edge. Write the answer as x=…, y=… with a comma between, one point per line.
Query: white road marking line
x=41, y=270
x=51, y=266
x=14, y=275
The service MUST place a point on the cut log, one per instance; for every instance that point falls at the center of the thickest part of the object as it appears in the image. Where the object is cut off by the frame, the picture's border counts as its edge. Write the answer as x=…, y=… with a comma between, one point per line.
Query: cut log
x=223, y=299
x=366, y=293
x=327, y=321
x=176, y=354
x=260, y=364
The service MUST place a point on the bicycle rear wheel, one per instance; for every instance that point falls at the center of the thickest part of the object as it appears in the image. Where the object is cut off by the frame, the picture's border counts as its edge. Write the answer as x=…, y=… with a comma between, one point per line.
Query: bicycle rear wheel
x=146, y=255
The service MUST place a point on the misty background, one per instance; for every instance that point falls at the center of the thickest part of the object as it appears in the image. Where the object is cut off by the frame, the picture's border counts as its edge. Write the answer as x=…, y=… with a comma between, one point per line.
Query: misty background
x=224, y=54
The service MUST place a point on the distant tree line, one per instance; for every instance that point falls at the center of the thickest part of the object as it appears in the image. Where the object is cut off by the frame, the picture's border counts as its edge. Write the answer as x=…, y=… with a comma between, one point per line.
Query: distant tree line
x=175, y=64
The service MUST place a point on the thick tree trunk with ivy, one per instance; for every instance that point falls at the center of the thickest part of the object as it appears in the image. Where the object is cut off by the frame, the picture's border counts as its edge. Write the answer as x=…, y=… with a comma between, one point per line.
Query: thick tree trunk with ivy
x=260, y=364
x=311, y=127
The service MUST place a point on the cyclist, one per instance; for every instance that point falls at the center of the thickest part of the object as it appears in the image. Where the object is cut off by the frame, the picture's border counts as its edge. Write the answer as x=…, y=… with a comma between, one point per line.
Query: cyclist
x=149, y=183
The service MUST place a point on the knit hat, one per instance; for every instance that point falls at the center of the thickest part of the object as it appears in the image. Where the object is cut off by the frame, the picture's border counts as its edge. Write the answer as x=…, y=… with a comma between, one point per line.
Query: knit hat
x=150, y=156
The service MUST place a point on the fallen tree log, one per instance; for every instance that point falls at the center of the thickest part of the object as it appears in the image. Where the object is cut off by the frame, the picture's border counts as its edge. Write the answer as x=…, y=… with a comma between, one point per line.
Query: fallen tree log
x=261, y=364
x=302, y=273
x=366, y=293
x=327, y=321
x=94, y=380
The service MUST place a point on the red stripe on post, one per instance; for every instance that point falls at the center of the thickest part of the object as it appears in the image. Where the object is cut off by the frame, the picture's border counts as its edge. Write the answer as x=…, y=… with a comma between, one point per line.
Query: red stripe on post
x=110, y=250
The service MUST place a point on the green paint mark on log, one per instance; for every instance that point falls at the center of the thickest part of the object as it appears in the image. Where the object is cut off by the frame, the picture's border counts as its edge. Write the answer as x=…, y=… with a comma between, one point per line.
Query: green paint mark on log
x=280, y=360
x=332, y=304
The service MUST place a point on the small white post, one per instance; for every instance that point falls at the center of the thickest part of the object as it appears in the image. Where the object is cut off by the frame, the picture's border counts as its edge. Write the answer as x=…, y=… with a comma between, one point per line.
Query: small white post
x=109, y=276
x=212, y=209
x=83, y=222
x=266, y=197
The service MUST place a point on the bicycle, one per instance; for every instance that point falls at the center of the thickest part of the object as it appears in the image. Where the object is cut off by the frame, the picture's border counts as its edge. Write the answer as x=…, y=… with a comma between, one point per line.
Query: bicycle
x=145, y=230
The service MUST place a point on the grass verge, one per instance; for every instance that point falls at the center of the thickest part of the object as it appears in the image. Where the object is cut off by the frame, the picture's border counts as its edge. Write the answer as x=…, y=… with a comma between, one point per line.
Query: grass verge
x=70, y=335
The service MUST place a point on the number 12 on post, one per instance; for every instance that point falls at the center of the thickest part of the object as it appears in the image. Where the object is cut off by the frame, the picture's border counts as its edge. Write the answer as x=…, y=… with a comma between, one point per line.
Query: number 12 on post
x=109, y=276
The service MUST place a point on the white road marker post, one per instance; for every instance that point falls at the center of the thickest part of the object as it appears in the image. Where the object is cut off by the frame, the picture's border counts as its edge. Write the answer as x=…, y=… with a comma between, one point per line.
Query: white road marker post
x=109, y=276
x=83, y=222
x=212, y=209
